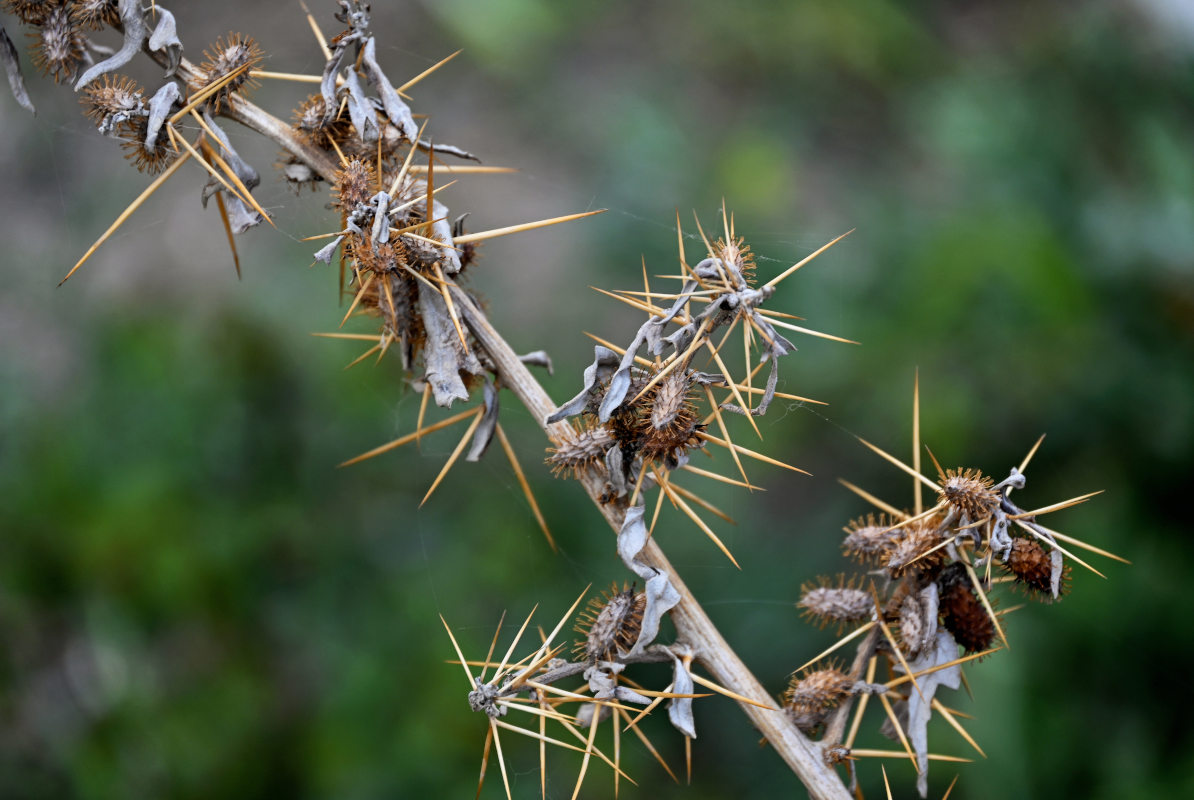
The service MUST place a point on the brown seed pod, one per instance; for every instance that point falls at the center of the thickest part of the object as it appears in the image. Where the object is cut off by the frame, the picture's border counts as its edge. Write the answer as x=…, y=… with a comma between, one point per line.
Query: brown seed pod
x=309, y=121
x=842, y=604
x=237, y=56
x=672, y=425
x=30, y=12
x=810, y=697
x=587, y=451
x=1032, y=567
x=962, y=613
x=737, y=253
x=870, y=538
x=915, y=550
x=95, y=14
x=111, y=95
x=148, y=160
x=355, y=183
x=611, y=624
x=969, y=491
x=58, y=46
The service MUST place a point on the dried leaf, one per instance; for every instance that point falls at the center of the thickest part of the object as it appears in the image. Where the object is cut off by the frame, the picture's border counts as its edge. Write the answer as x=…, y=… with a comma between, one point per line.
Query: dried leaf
x=484, y=433
x=165, y=39
x=396, y=110
x=679, y=710
x=133, y=21
x=661, y=595
x=12, y=65
x=538, y=358
x=443, y=357
x=605, y=361
x=159, y=108
x=920, y=708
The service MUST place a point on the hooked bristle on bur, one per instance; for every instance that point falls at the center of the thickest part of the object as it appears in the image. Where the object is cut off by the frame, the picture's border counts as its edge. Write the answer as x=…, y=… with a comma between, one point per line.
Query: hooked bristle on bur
x=611, y=624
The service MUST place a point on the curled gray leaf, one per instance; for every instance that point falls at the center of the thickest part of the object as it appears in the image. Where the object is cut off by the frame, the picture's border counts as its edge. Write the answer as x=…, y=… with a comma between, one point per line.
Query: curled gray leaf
x=132, y=20
x=12, y=65
x=164, y=39
x=489, y=419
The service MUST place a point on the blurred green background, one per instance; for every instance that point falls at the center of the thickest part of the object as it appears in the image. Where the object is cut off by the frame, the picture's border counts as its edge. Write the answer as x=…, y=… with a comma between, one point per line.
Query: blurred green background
x=194, y=601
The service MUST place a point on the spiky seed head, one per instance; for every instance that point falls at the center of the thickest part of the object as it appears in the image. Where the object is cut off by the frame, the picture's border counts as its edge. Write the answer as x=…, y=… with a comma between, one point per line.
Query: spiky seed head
x=811, y=696
x=969, y=491
x=58, y=46
x=30, y=12
x=1032, y=567
x=962, y=613
x=840, y=604
x=586, y=451
x=836, y=754
x=232, y=55
x=736, y=253
x=309, y=121
x=870, y=538
x=915, y=550
x=150, y=160
x=672, y=425
x=112, y=95
x=95, y=14
x=917, y=631
x=355, y=183
x=611, y=624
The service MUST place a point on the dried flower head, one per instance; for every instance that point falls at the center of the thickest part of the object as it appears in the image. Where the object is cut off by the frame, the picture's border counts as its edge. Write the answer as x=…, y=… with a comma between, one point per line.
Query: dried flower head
x=586, y=451
x=611, y=624
x=310, y=120
x=917, y=624
x=95, y=14
x=917, y=549
x=736, y=252
x=112, y=96
x=672, y=425
x=870, y=538
x=810, y=697
x=355, y=183
x=969, y=491
x=150, y=160
x=840, y=604
x=1032, y=566
x=962, y=613
x=31, y=12
x=228, y=62
x=58, y=47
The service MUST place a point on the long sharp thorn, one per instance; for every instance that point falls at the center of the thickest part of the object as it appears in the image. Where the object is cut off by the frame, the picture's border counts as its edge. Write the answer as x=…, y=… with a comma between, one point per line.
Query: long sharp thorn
x=721, y=424
x=936, y=463
x=708, y=684
x=862, y=703
x=584, y=764
x=642, y=737
x=451, y=306
x=485, y=759
x=526, y=226
x=397, y=182
x=896, y=647
x=285, y=76
x=839, y=643
x=703, y=503
x=748, y=452
x=745, y=406
x=811, y=332
x=894, y=682
x=1073, y=501
x=128, y=212
x=982, y=596
x=700, y=523
x=1031, y=529
x=957, y=726
x=916, y=487
x=899, y=730
x=410, y=437
x=680, y=243
x=875, y=501
x=567, y=615
x=363, y=356
x=951, y=788
x=1082, y=544
x=526, y=487
x=464, y=440
x=319, y=37
x=242, y=190
x=493, y=644
x=497, y=742
x=456, y=647
x=510, y=651
x=428, y=71
x=619, y=350
x=721, y=478
x=228, y=232
x=886, y=784
x=936, y=489
x=356, y=337
x=1031, y=453
x=867, y=753
x=356, y=300
x=774, y=281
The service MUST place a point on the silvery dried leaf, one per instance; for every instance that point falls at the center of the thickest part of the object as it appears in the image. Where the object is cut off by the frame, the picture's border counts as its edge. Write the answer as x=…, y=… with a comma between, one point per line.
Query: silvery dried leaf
x=133, y=21
x=441, y=230
x=662, y=597
x=679, y=709
x=1056, y=561
x=381, y=224
x=12, y=65
x=360, y=110
x=605, y=361
x=396, y=110
x=538, y=358
x=489, y=419
x=159, y=107
x=326, y=252
x=165, y=39
x=444, y=358
x=919, y=708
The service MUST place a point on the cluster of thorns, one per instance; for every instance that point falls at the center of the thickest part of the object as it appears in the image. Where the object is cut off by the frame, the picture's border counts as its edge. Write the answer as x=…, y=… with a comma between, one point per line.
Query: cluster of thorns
x=644, y=410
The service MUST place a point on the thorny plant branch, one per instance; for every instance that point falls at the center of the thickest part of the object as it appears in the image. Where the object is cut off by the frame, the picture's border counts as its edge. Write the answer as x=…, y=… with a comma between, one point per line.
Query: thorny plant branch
x=692, y=624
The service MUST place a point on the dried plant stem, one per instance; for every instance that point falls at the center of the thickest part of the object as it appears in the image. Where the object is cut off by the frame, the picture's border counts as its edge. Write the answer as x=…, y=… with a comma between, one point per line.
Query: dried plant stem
x=692, y=624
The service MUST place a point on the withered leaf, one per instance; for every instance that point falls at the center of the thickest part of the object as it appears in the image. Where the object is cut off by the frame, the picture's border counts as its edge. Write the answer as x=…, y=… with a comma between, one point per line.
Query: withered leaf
x=133, y=21
x=12, y=65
